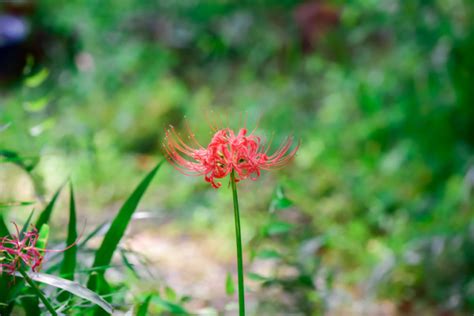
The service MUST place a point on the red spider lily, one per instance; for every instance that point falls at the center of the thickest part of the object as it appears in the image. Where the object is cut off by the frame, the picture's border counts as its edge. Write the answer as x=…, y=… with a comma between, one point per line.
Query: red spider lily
x=17, y=250
x=227, y=152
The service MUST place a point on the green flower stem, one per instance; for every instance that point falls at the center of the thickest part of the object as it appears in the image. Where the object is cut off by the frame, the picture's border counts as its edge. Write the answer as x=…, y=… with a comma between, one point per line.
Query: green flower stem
x=40, y=294
x=240, y=268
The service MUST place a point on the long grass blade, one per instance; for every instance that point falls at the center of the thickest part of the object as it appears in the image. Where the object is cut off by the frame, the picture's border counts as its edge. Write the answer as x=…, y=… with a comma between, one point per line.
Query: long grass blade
x=46, y=213
x=69, y=261
x=3, y=227
x=104, y=254
x=99, y=230
x=27, y=223
x=143, y=309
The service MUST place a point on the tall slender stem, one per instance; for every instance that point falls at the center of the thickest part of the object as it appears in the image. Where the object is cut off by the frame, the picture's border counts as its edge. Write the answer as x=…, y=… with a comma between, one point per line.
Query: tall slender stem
x=40, y=294
x=240, y=268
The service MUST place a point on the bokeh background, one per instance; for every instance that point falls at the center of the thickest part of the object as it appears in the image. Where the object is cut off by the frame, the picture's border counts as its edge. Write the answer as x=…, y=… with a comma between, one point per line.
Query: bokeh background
x=373, y=217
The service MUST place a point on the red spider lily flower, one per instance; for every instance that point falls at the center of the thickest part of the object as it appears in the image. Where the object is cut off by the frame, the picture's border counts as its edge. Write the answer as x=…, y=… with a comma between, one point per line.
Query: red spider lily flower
x=20, y=249
x=17, y=250
x=227, y=152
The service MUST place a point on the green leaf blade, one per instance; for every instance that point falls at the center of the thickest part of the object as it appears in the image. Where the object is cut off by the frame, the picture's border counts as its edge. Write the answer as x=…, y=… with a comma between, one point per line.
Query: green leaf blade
x=69, y=260
x=3, y=227
x=170, y=307
x=43, y=237
x=143, y=309
x=37, y=79
x=269, y=254
x=229, y=285
x=104, y=254
x=46, y=214
x=277, y=228
x=72, y=287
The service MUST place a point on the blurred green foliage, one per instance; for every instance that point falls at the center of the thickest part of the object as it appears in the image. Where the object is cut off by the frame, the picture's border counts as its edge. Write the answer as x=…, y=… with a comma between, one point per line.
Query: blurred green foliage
x=380, y=196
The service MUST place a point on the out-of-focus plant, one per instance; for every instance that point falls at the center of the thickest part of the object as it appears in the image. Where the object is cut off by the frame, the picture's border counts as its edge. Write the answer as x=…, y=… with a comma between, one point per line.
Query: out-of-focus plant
x=22, y=254
x=287, y=258
x=25, y=249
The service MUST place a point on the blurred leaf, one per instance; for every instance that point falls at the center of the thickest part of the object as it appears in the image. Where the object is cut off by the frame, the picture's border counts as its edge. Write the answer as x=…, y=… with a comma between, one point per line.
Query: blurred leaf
x=280, y=201
x=27, y=223
x=43, y=237
x=9, y=289
x=5, y=309
x=127, y=263
x=36, y=105
x=185, y=299
x=30, y=304
x=46, y=214
x=173, y=308
x=26, y=163
x=9, y=292
x=96, y=231
x=256, y=277
x=268, y=254
x=143, y=309
x=37, y=79
x=119, y=225
x=72, y=287
x=30, y=61
x=305, y=280
x=15, y=204
x=170, y=294
x=68, y=265
x=276, y=228
x=5, y=279
x=3, y=227
x=229, y=284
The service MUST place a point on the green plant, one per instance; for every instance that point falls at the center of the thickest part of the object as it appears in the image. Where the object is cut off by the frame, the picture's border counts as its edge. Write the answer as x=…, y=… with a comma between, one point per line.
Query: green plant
x=28, y=253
